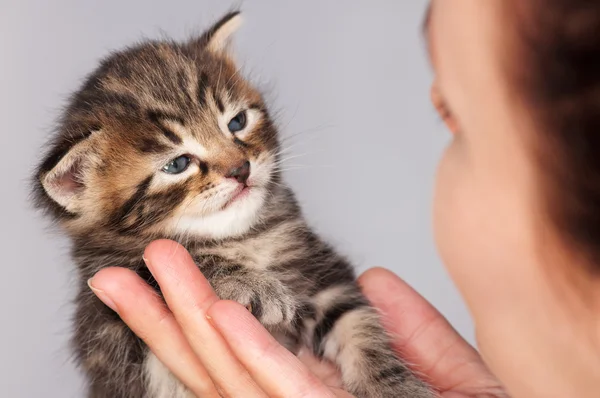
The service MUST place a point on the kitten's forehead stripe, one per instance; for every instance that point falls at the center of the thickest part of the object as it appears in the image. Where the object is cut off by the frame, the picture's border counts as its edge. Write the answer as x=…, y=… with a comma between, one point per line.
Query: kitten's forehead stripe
x=158, y=117
x=174, y=138
x=94, y=100
x=151, y=145
x=220, y=104
x=202, y=89
x=183, y=82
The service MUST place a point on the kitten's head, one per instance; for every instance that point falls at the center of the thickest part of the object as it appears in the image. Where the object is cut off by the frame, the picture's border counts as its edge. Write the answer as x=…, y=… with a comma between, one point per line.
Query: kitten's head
x=163, y=138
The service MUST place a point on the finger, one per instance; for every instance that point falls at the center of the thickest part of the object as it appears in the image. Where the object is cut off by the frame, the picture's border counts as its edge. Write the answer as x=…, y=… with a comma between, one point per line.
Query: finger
x=423, y=336
x=188, y=295
x=324, y=370
x=276, y=370
x=147, y=315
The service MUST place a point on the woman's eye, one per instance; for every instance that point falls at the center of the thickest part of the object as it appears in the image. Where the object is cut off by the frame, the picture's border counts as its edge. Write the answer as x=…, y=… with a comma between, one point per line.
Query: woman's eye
x=177, y=165
x=238, y=122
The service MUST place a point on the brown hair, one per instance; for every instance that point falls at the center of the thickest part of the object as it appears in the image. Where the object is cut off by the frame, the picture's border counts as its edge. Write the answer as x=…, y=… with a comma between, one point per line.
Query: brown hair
x=559, y=40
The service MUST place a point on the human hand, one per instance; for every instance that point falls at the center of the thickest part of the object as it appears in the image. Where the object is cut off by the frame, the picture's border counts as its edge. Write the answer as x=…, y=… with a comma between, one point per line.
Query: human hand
x=241, y=359
x=423, y=337
x=427, y=341
x=216, y=348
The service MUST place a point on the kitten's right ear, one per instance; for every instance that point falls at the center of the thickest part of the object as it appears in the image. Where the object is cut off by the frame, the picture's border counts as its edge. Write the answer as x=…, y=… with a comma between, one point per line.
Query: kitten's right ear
x=62, y=174
x=218, y=37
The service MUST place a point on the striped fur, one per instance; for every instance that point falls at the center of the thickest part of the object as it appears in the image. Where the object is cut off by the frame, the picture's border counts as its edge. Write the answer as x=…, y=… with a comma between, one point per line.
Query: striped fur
x=101, y=180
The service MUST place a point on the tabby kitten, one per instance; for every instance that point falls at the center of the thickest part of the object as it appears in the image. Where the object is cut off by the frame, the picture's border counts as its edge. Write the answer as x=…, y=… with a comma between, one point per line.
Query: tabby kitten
x=167, y=140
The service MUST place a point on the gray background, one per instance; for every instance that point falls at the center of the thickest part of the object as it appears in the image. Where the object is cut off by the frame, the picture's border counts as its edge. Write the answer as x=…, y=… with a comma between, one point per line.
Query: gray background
x=350, y=78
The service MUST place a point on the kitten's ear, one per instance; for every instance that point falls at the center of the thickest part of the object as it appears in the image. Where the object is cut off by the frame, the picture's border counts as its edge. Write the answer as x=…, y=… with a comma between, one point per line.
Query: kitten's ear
x=218, y=37
x=64, y=180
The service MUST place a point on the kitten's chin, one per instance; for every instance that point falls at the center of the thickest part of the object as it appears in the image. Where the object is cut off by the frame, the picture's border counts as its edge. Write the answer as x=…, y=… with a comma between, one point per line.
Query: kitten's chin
x=236, y=218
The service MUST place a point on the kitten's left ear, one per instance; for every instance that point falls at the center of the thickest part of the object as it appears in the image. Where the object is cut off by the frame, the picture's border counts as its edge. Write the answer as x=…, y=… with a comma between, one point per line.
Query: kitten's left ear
x=218, y=37
x=64, y=174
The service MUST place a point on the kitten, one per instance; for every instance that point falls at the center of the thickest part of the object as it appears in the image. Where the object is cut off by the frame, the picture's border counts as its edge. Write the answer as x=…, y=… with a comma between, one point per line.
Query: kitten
x=167, y=140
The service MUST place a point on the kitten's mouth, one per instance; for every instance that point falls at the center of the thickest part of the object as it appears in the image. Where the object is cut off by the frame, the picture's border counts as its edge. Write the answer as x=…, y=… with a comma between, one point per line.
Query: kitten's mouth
x=238, y=195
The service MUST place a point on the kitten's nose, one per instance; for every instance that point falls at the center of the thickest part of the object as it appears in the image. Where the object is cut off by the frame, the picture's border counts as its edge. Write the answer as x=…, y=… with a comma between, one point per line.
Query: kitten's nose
x=240, y=173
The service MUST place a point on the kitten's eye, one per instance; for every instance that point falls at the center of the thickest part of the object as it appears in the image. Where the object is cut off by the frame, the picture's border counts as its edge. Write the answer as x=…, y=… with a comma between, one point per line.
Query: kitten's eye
x=238, y=122
x=177, y=165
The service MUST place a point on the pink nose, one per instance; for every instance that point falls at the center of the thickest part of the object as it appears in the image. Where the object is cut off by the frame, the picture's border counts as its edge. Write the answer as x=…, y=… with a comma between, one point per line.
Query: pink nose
x=240, y=173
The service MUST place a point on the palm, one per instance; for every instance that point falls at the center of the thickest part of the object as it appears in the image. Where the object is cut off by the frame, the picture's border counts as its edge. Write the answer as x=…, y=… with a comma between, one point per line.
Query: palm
x=425, y=339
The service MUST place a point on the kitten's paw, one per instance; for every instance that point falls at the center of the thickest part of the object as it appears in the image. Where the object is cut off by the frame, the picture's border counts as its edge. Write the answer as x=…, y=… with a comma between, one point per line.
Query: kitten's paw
x=410, y=387
x=406, y=389
x=269, y=300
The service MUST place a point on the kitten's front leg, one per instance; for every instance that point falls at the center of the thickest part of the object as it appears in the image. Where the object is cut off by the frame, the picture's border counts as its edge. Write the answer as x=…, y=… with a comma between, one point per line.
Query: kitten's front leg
x=268, y=298
x=348, y=332
x=109, y=353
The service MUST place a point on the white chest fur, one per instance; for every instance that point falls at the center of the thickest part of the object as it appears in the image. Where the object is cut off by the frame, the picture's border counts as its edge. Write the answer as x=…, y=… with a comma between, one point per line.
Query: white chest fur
x=270, y=248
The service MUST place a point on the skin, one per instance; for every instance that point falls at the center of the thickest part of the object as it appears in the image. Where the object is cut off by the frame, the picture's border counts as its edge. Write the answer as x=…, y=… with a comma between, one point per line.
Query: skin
x=537, y=331
x=489, y=230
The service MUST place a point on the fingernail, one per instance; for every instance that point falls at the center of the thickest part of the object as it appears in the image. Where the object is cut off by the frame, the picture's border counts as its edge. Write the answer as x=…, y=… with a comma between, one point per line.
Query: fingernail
x=102, y=296
x=147, y=262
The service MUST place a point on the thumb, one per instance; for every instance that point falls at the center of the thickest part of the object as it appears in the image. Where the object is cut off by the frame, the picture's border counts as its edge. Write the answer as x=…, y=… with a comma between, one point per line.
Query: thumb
x=425, y=338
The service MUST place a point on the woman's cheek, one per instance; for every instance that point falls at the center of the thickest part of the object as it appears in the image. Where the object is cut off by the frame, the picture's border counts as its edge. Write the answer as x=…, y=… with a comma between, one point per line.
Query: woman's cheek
x=455, y=220
x=445, y=217
x=477, y=232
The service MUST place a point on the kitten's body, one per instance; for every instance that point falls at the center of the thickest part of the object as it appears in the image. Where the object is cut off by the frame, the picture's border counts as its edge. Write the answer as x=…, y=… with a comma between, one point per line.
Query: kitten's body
x=246, y=232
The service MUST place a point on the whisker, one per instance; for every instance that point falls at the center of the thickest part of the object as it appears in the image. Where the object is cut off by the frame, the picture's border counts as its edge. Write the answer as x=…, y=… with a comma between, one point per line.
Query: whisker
x=304, y=167
x=285, y=160
x=309, y=131
x=282, y=128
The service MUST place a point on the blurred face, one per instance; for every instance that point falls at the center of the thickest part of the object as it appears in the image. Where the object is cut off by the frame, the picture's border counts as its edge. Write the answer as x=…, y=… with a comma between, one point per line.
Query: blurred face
x=489, y=231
